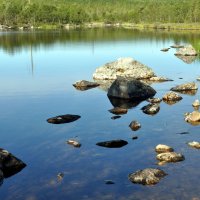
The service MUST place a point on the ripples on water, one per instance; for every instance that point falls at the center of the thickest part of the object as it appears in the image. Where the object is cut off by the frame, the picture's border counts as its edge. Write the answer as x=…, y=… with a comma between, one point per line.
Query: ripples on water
x=37, y=71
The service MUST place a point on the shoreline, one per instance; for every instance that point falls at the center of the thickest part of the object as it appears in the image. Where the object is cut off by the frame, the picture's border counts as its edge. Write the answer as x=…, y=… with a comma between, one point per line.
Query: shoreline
x=145, y=26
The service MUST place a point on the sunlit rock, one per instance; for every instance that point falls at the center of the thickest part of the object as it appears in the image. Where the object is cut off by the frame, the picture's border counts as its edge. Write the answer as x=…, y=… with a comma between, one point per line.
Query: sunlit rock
x=118, y=111
x=171, y=97
x=193, y=117
x=162, y=148
x=194, y=144
x=170, y=157
x=85, y=85
x=63, y=119
x=151, y=109
x=154, y=100
x=187, y=50
x=159, y=79
x=124, y=67
x=147, y=176
x=74, y=143
x=135, y=125
x=130, y=89
x=113, y=143
x=196, y=103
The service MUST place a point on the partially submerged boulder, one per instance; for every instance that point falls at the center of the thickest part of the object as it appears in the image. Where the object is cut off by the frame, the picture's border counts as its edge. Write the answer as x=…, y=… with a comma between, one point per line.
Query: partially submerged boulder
x=194, y=144
x=151, y=109
x=85, y=85
x=170, y=157
x=135, y=125
x=118, y=111
x=177, y=46
x=112, y=143
x=162, y=148
x=147, y=176
x=9, y=164
x=63, y=119
x=130, y=89
x=186, y=51
x=125, y=67
x=185, y=87
x=171, y=98
x=74, y=143
x=193, y=117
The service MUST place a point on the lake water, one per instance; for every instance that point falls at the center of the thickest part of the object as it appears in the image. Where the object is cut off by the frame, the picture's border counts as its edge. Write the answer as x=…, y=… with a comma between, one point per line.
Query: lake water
x=37, y=70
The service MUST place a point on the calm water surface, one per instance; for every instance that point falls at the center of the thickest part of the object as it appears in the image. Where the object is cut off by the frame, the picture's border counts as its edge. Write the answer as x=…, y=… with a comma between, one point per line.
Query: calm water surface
x=37, y=71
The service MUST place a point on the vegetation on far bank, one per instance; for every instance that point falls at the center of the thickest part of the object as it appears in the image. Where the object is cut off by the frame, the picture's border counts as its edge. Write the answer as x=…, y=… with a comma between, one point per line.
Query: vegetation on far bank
x=37, y=12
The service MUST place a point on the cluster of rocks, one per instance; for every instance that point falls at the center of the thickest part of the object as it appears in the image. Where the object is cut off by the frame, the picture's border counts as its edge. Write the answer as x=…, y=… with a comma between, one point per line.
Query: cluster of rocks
x=9, y=164
x=186, y=53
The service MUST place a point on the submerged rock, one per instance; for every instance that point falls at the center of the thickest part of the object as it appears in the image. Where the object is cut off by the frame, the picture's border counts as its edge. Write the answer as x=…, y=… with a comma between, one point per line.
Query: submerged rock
x=171, y=97
x=134, y=125
x=186, y=51
x=151, y=109
x=63, y=119
x=118, y=111
x=130, y=89
x=192, y=117
x=125, y=67
x=85, y=85
x=115, y=117
x=154, y=100
x=9, y=164
x=194, y=144
x=162, y=148
x=113, y=143
x=147, y=176
x=74, y=143
x=165, y=49
x=170, y=157
x=109, y=182
x=185, y=87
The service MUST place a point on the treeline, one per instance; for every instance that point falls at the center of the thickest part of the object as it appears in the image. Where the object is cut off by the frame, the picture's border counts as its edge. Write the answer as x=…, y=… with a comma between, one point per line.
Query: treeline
x=35, y=12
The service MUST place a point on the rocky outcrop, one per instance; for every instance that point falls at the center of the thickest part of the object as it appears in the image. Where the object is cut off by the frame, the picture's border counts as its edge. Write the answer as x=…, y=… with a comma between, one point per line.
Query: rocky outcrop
x=147, y=176
x=113, y=143
x=186, y=51
x=170, y=157
x=162, y=148
x=194, y=144
x=151, y=109
x=9, y=164
x=63, y=119
x=124, y=67
x=185, y=87
x=130, y=89
x=85, y=85
x=134, y=125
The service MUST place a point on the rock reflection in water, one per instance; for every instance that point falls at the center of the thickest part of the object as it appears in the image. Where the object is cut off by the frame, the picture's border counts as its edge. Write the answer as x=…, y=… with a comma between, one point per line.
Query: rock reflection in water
x=124, y=103
x=188, y=92
x=187, y=59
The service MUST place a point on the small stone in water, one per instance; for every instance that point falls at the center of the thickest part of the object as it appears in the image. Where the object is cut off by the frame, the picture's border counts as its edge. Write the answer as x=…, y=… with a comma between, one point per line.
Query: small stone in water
x=134, y=137
x=151, y=109
x=109, y=182
x=170, y=157
x=162, y=148
x=118, y=111
x=115, y=117
x=183, y=133
x=60, y=176
x=74, y=143
x=134, y=125
x=63, y=119
x=196, y=103
x=194, y=144
x=113, y=143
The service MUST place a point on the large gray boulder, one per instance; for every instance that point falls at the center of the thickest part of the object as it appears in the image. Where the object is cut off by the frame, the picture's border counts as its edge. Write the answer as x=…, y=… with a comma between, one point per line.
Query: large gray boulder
x=130, y=89
x=125, y=67
x=186, y=51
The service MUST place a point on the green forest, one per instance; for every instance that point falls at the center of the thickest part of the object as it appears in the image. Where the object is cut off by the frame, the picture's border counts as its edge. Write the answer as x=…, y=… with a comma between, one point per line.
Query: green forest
x=33, y=12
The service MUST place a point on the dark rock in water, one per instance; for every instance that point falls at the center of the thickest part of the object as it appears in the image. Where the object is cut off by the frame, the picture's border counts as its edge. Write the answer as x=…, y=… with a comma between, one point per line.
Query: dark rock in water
x=134, y=125
x=115, y=117
x=151, y=109
x=63, y=119
x=9, y=164
x=177, y=46
x=74, y=143
x=183, y=133
x=134, y=137
x=113, y=143
x=124, y=88
x=118, y=111
x=147, y=176
x=109, y=182
x=85, y=85
x=185, y=87
x=124, y=103
x=165, y=49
